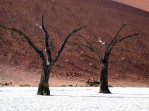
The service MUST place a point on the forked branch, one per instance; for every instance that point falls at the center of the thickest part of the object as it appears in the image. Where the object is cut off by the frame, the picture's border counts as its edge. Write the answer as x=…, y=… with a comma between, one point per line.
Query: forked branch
x=46, y=40
x=89, y=46
x=117, y=39
x=64, y=43
x=117, y=36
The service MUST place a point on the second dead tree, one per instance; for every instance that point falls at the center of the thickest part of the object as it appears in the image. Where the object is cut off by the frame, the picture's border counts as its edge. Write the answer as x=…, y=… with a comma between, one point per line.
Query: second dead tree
x=103, y=59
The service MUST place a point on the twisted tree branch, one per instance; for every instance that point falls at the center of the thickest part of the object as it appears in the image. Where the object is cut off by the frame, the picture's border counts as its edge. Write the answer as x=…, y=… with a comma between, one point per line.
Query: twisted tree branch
x=38, y=51
x=121, y=39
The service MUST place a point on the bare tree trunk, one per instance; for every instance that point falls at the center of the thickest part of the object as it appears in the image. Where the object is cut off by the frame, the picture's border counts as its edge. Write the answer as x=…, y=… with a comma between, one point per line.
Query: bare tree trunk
x=43, y=88
x=104, y=59
x=47, y=60
x=104, y=74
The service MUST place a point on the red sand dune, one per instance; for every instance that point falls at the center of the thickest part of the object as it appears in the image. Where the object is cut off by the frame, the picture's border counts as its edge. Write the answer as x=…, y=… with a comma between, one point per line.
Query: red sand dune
x=129, y=62
x=141, y=4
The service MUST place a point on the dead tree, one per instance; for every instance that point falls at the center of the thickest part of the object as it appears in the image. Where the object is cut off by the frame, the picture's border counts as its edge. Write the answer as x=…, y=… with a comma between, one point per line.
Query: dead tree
x=47, y=61
x=103, y=58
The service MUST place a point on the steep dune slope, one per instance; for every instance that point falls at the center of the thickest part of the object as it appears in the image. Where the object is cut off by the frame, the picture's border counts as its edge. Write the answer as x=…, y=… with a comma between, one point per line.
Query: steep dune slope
x=129, y=61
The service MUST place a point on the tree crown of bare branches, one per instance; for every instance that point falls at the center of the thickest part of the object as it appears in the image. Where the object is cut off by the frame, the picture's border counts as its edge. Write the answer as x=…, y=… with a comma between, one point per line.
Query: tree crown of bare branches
x=108, y=46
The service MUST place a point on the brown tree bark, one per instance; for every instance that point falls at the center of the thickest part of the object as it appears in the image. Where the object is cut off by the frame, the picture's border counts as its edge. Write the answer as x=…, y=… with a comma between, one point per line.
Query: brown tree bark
x=103, y=59
x=104, y=74
x=47, y=61
x=43, y=88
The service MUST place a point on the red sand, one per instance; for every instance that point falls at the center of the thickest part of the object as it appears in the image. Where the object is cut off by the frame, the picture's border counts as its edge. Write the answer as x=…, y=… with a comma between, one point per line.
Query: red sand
x=129, y=62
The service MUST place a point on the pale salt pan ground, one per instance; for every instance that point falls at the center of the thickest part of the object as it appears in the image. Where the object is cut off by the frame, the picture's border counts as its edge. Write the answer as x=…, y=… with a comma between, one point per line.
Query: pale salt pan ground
x=74, y=99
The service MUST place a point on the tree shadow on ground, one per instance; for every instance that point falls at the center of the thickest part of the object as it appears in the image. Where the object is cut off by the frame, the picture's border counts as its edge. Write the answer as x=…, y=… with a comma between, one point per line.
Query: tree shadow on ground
x=108, y=96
